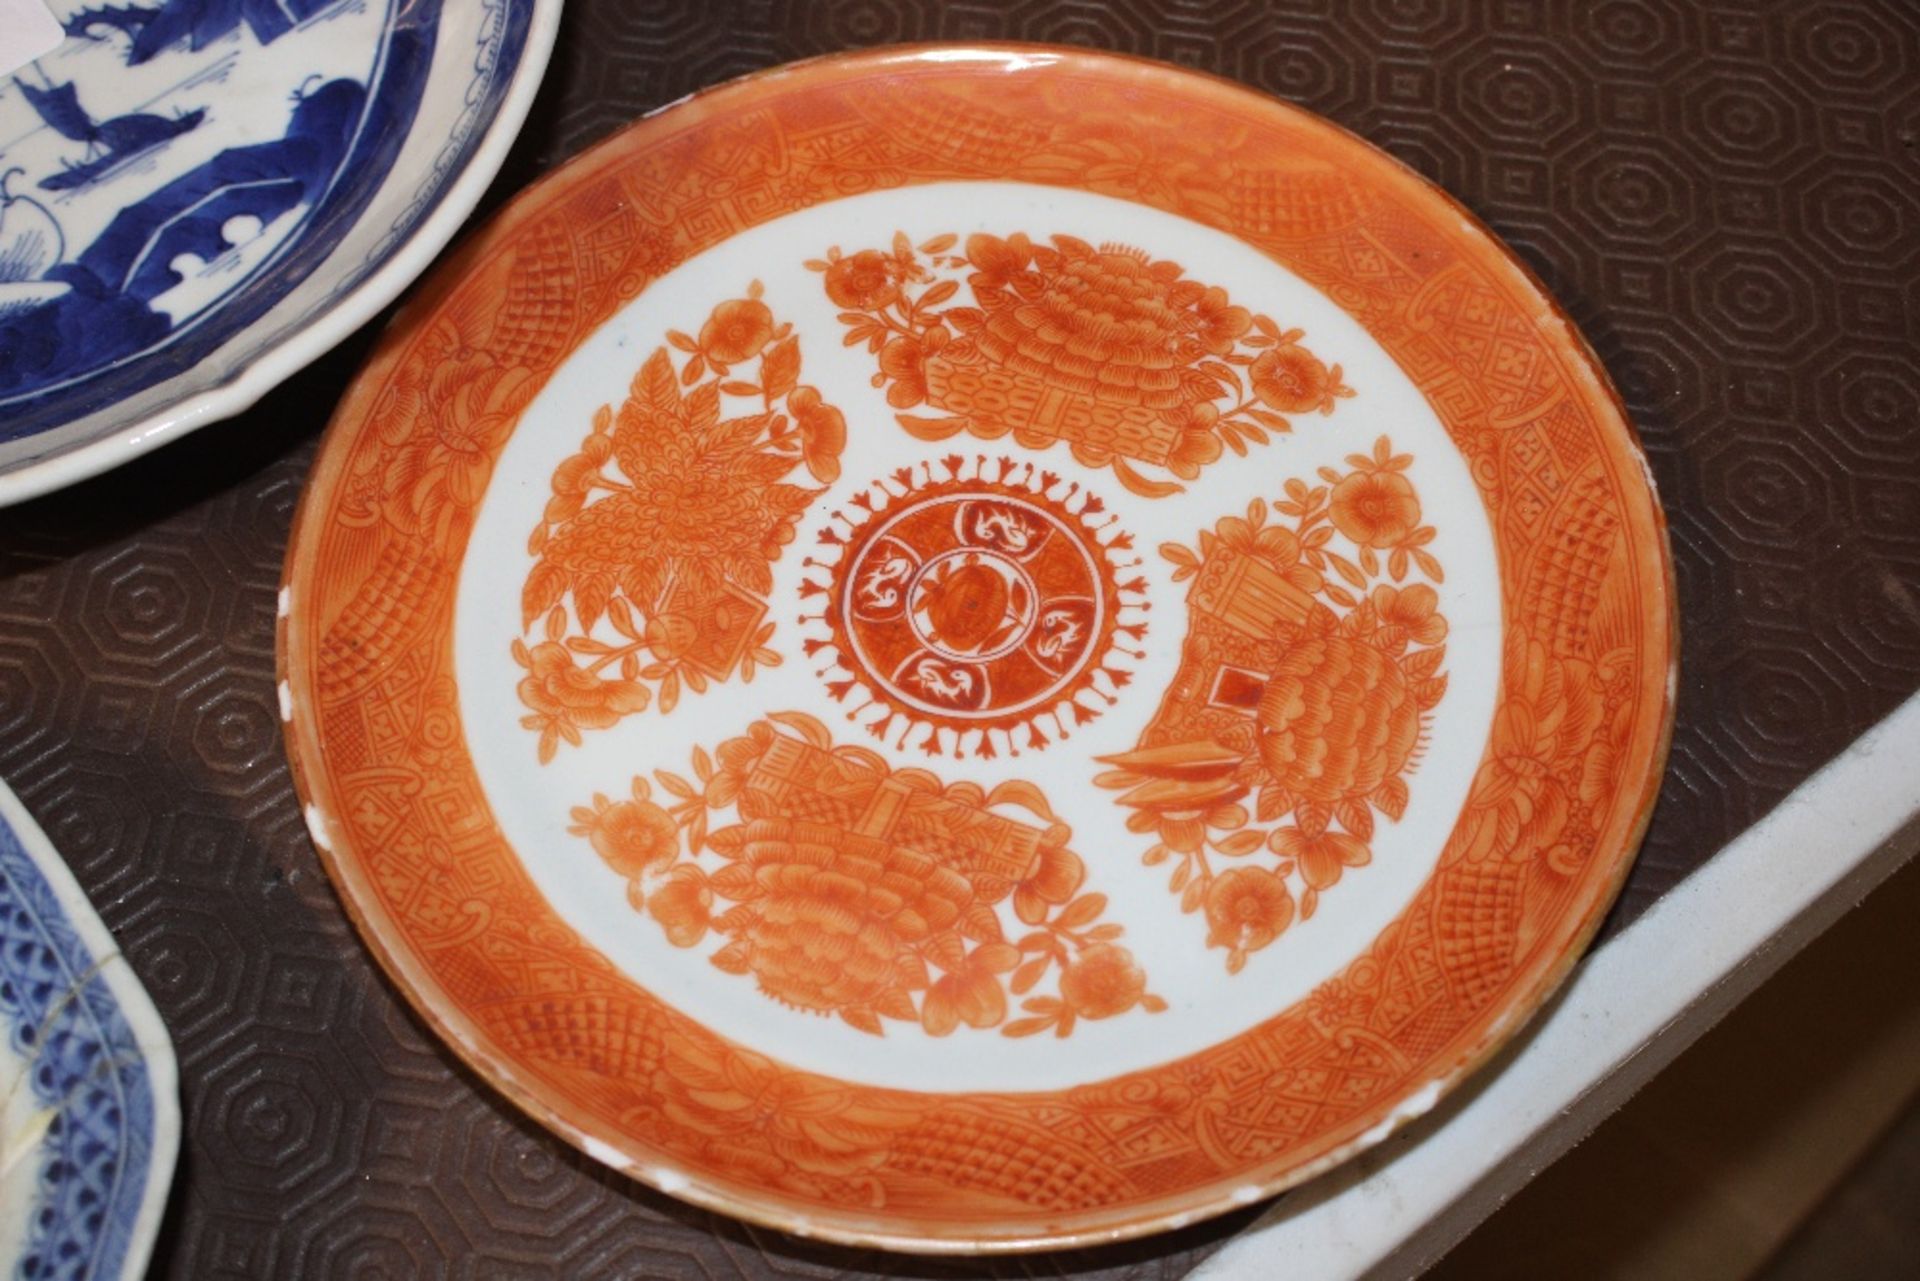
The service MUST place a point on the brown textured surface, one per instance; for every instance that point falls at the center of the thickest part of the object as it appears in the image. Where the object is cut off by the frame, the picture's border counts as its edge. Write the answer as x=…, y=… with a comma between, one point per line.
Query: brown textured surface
x=1724, y=198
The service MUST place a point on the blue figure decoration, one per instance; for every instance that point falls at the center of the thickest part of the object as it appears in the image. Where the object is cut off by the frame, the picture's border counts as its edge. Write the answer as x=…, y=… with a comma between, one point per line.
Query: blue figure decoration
x=104, y=313
x=157, y=196
x=153, y=28
x=110, y=143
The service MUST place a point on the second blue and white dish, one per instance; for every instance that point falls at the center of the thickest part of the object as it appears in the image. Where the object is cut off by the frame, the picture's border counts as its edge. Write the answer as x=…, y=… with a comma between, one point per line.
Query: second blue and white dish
x=89, y=1093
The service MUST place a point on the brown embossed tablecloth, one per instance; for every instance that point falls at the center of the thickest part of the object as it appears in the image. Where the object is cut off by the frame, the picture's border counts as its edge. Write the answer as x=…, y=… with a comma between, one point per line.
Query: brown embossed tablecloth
x=1727, y=199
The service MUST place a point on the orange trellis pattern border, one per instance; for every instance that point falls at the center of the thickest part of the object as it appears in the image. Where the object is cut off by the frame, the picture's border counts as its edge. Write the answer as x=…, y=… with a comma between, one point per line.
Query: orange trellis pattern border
x=1543, y=842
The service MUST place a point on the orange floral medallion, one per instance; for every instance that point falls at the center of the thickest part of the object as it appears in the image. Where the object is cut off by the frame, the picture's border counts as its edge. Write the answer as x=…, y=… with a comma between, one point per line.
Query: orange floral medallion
x=1107, y=350
x=853, y=889
x=1160, y=692
x=1304, y=692
x=974, y=596
x=666, y=524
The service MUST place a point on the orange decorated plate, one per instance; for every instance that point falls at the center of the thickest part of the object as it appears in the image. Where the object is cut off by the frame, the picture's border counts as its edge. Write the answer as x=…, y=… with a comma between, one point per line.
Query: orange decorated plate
x=978, y=648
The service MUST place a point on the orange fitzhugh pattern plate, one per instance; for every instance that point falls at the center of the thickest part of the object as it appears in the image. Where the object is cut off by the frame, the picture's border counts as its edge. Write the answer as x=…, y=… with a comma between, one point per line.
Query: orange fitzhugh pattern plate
x=978, y=648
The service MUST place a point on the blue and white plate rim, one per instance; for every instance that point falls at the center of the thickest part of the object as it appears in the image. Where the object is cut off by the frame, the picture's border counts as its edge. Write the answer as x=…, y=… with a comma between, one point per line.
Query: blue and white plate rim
x=142, y=1019
x=348, y=312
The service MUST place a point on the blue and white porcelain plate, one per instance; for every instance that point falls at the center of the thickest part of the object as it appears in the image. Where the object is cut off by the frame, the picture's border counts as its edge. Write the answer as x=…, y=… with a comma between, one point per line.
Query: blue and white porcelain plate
x=198, y=196
x=89, y=1093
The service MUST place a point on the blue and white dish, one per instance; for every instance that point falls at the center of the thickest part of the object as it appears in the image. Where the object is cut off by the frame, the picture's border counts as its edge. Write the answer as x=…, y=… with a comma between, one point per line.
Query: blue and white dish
x=199, y=196
x=89, y=1091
